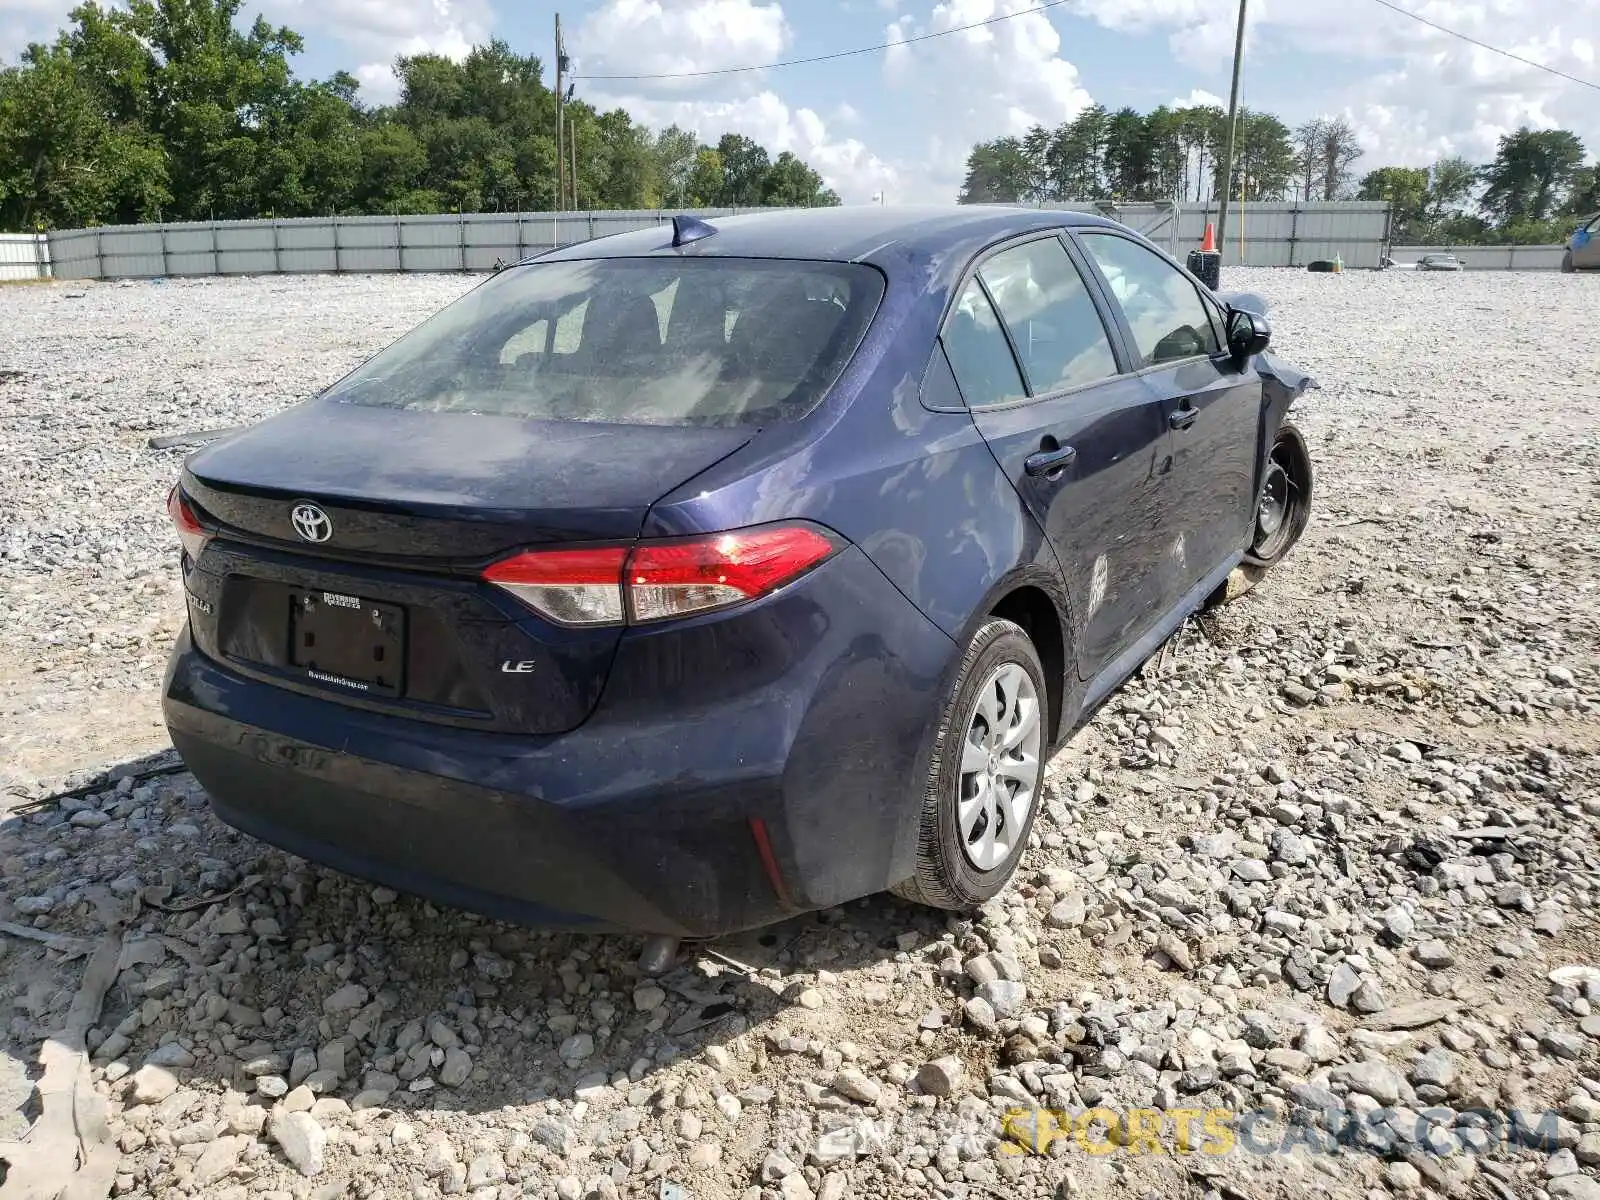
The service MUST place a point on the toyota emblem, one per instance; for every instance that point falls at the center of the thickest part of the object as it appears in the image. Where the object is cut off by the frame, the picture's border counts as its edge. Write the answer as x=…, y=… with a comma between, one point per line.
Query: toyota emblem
x=310, y=522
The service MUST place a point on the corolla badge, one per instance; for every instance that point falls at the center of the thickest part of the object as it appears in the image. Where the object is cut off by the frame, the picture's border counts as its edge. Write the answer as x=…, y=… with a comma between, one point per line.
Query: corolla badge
x=310, y=522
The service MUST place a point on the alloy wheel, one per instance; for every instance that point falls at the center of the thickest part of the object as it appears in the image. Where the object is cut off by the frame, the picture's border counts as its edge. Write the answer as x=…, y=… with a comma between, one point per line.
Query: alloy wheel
x=999, y=767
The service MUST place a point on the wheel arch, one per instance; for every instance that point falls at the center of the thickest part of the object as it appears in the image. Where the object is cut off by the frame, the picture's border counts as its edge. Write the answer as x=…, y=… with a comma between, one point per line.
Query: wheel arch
x=1286, y=433
x=1031, y=607
x=1036, y=600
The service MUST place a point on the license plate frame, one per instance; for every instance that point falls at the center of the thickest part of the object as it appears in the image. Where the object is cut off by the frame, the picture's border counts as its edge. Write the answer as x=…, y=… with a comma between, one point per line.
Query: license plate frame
x=348, y=642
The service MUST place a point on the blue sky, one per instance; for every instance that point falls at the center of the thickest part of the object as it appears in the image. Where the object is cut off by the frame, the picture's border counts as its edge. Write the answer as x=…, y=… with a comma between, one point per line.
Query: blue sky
x=901, y=121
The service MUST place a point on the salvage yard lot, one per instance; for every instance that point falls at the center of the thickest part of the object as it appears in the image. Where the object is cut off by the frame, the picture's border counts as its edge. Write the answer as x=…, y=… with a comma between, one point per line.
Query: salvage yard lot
x=1370, y=783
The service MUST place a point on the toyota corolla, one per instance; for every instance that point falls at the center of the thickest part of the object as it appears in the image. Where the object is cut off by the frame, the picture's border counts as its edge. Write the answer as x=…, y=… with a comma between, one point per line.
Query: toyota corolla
x=687, y=579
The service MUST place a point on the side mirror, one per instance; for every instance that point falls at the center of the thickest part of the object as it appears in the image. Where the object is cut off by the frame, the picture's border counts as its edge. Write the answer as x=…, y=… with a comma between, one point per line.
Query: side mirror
x=1248, y=334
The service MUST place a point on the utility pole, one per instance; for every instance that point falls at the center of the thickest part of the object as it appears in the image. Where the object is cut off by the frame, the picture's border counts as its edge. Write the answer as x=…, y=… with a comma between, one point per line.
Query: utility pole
x=561, y=157
x=1233, y=130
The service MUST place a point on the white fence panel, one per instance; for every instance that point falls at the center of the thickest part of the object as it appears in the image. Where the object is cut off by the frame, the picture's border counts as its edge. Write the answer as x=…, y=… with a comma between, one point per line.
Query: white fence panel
x=1273, y=233
x=24, y=256
x=1261, y=233
x=1490, y=258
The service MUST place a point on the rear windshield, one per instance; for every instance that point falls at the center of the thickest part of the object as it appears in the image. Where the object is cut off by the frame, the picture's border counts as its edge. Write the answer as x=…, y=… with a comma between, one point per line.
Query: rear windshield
x=708, y=341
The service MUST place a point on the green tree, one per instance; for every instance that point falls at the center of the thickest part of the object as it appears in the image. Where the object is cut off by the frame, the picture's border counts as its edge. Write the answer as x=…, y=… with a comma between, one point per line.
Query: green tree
x=1450, y=184
x=1201, y=129
x=792, y=184
x=626, y=169
x=1585, y=197
x=1264, y=158
x=1531, y=174
x=676, y=152
x=1129, y=163
x=744, y=170
x=62, y=162
x=1406, y=189
x=997, y=172
x=706, y=181
x=1079, y=152
x=393, y=164
x=1168, y=157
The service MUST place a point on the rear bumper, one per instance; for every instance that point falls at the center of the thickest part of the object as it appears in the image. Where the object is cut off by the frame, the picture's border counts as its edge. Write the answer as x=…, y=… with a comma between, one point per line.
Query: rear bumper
x=737, y=769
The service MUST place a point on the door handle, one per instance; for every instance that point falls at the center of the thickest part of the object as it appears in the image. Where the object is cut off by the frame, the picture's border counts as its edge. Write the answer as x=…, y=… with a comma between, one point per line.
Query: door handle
x=1182, y=418
x=1049, y=463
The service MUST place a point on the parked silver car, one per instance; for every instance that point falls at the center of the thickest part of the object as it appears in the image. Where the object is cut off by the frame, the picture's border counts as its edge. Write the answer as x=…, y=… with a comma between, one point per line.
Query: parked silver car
x=1440, y=262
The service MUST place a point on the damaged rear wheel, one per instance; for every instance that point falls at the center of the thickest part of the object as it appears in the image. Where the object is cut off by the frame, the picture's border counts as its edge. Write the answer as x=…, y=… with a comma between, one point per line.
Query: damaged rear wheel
x=1284, y=505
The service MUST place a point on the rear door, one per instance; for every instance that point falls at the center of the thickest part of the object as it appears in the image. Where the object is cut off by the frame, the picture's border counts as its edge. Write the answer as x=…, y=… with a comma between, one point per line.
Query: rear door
x=1079, y=437
x=1212, y=408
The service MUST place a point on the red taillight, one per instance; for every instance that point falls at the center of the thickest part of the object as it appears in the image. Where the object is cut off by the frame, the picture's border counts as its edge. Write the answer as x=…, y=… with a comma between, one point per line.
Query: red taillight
x=571, y=587
x=659, y=580
x=190, y=532
x=670, y=579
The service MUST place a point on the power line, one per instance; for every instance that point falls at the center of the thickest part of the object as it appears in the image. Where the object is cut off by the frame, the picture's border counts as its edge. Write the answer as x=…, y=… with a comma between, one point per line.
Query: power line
x=1405, y=12
x=796, y=62
x=1049, y=4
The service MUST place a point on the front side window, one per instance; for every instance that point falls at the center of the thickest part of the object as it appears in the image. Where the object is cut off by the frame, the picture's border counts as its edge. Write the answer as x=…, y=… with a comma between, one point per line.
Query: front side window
x=705, y=341
x=1169, y=320
x=1053, y=322
x=976, y=346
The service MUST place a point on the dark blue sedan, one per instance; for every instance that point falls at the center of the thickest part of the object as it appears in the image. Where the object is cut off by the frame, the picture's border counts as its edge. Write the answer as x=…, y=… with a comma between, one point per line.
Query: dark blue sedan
x=687, y=579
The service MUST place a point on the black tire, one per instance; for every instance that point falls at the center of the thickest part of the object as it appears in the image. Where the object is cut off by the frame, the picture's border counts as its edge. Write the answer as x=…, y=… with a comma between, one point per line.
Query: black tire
x=945, y=876
x=1566, y=264
x=1288, y=465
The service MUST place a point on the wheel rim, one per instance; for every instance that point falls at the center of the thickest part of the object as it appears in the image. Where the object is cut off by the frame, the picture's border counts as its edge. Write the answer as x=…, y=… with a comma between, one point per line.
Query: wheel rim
x=1274, y=502
x=999, y=767
x=1279, y=508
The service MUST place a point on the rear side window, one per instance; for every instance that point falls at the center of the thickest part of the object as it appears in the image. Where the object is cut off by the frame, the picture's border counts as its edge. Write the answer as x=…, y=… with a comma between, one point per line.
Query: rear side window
x=976, y=346
x=707, y=341
x=1167, y=316
x=1053, y=322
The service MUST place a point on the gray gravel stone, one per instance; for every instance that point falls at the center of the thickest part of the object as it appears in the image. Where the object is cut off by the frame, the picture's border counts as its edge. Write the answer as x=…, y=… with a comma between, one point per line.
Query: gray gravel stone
x=1433, y=954
x=153, y=1084
x=1376, y=1079
x=941, y=1076
x=302, y=1140
x=457, y=1068
x=1342, y=985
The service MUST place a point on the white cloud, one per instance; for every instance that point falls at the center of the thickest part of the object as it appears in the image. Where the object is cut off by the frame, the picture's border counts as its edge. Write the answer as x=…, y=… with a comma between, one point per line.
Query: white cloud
x=373, y=30
x=845, y=163
x=1449, y=97
x=26, y=21
x=625, y=37
x=1199, y=98
x=379, y=30
x=379, y=85
x=1435, y=95
x=667, y=36
x=980, y=83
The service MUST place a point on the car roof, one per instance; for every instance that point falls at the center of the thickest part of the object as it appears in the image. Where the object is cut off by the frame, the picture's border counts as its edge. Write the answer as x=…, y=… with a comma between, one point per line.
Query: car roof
x=855, y=233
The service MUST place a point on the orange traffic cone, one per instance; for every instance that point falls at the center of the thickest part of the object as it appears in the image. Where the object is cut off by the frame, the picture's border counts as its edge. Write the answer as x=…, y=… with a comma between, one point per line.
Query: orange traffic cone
x=1209, y=245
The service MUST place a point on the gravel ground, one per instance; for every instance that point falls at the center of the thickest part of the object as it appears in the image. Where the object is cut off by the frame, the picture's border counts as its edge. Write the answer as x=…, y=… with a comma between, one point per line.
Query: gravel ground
x=1332, y=856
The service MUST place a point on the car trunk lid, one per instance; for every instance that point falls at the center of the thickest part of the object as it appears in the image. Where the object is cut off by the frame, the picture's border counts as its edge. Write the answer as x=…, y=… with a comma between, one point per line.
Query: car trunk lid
x=390, y=612
x=406, y=485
